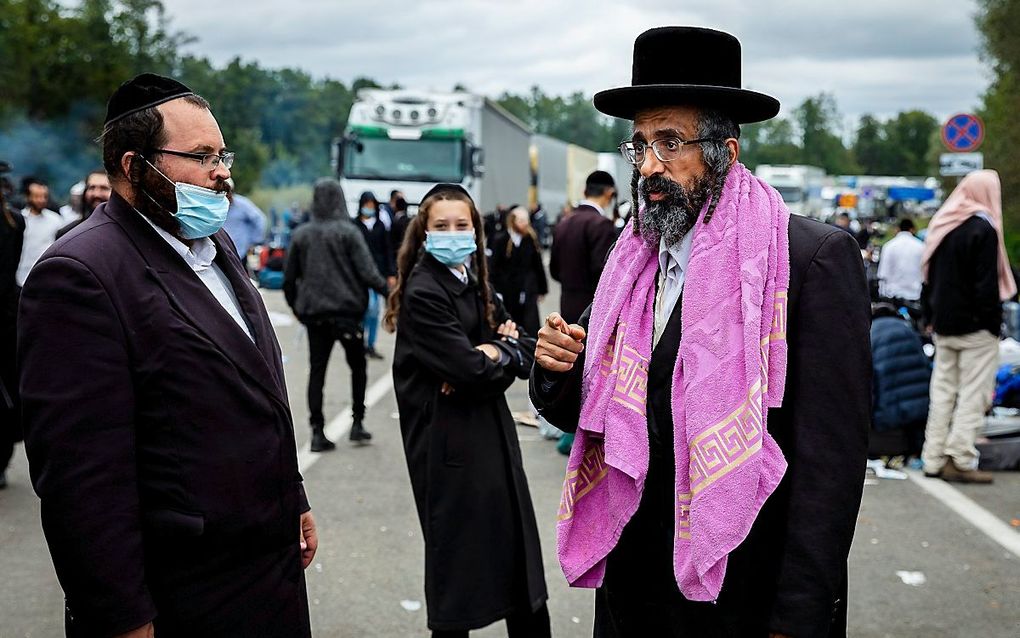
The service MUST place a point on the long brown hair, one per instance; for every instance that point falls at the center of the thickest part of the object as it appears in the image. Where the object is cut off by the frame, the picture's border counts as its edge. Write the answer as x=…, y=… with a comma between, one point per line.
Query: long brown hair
x=411, y=251
x=528, y=230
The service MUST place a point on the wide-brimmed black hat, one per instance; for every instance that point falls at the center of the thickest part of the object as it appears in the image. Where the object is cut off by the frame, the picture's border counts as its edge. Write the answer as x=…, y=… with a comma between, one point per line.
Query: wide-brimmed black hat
x=676, y=66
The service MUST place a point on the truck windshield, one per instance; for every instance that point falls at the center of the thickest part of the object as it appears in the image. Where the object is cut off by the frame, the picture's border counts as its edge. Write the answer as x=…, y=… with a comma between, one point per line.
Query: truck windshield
x=791, y=194
x=409, y=160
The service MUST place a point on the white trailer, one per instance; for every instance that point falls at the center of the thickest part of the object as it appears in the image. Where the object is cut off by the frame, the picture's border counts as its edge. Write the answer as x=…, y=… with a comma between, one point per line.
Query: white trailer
x=799, y=185
x=410, y=140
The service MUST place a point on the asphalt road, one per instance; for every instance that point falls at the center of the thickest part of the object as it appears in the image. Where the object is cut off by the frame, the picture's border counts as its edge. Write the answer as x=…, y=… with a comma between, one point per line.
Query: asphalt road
x=918, y=567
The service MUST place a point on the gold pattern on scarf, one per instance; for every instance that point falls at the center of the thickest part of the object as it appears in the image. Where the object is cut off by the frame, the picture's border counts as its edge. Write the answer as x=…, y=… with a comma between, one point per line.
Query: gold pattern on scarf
x=631, y=370
x=726, y=445
x=584, y=479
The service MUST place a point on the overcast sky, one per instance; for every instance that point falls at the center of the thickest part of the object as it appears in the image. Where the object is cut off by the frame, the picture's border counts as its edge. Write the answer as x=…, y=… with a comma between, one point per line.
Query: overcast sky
x=875, y=56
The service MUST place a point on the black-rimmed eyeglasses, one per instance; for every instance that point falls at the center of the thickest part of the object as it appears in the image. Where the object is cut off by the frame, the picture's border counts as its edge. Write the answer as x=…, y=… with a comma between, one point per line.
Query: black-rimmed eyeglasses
x=666, y=149
x=210, y=161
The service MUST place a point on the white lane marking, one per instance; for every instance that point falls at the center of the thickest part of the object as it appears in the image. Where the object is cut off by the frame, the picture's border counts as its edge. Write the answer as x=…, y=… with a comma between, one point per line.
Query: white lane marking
x=970, y=511
x=338, y=428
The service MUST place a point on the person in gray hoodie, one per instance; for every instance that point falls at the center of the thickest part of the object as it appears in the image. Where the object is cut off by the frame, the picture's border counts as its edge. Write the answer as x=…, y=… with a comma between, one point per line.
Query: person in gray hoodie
x=328, y=275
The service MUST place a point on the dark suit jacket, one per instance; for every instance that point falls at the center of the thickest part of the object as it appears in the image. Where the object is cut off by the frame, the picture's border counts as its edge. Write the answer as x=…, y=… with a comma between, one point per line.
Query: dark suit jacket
x=580, y=245
x=790, y=574
x=159, y=438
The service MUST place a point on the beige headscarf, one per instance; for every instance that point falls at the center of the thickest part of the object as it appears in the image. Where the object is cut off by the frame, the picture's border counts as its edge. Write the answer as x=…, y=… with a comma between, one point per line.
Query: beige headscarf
x=978, y=192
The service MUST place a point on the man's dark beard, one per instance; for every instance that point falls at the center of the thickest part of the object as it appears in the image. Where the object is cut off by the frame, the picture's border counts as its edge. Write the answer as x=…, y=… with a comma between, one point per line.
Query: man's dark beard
x=157, y=200
x=91, y=204
x=672, y=217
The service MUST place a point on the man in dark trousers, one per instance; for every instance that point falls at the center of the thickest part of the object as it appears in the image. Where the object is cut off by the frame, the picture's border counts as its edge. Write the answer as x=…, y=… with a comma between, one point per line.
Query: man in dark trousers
x=157, y=427
x=781, y=568
x=329, y=273
x=580, y=245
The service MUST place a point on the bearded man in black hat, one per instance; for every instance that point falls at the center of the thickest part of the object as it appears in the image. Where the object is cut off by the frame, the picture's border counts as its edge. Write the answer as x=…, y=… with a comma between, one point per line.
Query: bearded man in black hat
x=742, y=528
x=157, y=427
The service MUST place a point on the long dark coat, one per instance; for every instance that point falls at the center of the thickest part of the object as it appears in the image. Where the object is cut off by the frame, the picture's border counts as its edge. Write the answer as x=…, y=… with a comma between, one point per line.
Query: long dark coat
x=482, y=554
x=12, y=235
x=159, y=439
x=517, y=271
x=789, y=576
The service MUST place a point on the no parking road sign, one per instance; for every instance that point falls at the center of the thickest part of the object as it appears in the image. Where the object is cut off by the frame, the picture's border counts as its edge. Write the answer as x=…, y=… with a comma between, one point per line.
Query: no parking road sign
x=963, y=133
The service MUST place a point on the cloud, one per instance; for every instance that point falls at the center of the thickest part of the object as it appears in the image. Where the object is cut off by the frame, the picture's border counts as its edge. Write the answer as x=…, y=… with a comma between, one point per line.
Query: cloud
x=875, y=56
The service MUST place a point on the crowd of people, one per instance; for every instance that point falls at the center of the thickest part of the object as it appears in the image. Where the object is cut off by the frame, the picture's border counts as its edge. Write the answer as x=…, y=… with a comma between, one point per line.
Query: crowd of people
x=716, y=438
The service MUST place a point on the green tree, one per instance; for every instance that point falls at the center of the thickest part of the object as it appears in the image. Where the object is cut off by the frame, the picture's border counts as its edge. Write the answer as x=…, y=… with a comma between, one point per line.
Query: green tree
x=870, y=148
x=909, y=137
x=997, y=20
x=818, y=121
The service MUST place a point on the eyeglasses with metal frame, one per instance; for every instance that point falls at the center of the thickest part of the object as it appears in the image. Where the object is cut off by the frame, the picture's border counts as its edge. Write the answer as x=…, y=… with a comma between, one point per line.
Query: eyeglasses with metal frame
x=210, y=161
x=666, y=149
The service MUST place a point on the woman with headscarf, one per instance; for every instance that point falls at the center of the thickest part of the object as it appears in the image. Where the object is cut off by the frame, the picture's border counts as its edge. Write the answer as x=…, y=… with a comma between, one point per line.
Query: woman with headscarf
x=457, y=353
x=967, y=276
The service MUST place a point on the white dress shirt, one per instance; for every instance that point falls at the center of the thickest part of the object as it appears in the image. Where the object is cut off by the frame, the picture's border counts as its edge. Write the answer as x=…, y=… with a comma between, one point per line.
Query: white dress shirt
x=200, y=259
x=672, y=272
x=460, y=274
x=40, y=232
x=588, y=202
x=899, y=267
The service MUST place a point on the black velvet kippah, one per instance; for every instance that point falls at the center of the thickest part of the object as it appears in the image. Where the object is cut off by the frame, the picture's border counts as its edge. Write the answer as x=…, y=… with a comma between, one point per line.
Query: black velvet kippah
x=142, y=92
x=439, y=188
x=600, y=178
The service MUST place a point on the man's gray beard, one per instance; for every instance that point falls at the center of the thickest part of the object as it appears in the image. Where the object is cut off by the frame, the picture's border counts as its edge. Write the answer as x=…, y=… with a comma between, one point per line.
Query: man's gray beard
x=671, y=218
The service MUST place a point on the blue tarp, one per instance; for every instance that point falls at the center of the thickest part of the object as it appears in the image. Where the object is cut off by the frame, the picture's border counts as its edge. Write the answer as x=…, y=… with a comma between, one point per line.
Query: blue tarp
x=910, y=193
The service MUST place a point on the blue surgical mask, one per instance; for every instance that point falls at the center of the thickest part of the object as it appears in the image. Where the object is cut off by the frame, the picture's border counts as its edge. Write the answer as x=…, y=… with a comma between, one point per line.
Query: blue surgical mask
x=451, y=247
x=201, y=212
x=367, y=212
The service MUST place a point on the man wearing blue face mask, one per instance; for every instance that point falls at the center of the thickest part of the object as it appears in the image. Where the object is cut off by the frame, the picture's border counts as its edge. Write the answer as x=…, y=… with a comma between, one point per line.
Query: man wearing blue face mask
x=157, y=427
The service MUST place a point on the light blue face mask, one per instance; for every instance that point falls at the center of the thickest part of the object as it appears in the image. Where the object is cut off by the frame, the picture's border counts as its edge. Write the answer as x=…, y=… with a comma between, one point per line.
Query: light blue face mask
x=451, y=247
x=367, y=212
x=201, y=212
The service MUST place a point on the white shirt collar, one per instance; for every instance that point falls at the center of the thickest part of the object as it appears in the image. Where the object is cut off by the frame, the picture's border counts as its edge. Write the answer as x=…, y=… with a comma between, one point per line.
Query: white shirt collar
x=588, y=202
x=462, y=276
x=679, y=253
x=198, y=257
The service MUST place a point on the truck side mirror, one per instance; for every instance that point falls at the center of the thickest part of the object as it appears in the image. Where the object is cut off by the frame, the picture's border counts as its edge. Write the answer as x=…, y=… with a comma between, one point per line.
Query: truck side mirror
x=339, y=148
x=477, y=162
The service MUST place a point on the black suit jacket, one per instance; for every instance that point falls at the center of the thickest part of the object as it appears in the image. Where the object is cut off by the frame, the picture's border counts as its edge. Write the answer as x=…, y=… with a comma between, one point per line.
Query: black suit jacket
x=790, y=574
x=581, y=243
x=159, y=438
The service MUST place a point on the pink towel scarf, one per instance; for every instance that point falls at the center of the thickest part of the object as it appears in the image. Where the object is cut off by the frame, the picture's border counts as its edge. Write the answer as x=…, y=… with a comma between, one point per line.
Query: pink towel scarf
x=730, y=369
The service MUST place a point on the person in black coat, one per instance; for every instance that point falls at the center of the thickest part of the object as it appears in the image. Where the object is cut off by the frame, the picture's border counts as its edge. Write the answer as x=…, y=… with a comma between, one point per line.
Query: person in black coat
x=788, y=577
x=457, y=352
x=12, y=233
x=581, y=242
x=157, y=426
x=377, y=236
x=517, y=270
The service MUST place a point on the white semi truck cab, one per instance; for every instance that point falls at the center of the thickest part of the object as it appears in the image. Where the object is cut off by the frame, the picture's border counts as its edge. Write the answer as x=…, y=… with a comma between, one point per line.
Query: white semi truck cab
x=409, y=140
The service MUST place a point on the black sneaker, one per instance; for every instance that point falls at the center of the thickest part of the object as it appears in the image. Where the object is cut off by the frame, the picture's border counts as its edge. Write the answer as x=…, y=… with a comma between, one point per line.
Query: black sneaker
x=371, y=353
